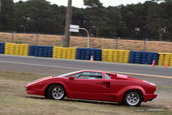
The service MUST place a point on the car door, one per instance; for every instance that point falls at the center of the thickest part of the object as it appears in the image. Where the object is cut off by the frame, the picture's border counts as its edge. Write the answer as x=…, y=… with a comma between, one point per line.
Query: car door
x=88, y=85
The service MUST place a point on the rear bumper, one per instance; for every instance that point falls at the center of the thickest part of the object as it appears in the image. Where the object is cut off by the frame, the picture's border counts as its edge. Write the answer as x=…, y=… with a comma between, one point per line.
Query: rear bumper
x=149, y=97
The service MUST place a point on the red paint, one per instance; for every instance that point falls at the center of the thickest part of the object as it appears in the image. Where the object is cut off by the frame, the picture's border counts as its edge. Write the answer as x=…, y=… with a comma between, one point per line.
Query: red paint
x=112, y=89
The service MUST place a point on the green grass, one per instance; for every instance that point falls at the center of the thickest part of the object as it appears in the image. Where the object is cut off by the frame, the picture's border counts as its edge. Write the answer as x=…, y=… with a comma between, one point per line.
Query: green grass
x=14, y=101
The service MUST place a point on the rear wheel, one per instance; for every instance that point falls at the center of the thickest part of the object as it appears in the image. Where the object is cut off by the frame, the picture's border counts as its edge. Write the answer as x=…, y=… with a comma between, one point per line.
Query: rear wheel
x=132, y=98
x=56, y=92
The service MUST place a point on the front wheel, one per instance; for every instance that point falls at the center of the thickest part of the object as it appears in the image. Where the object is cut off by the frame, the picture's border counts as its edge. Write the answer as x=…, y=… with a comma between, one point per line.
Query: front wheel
x=56, y=92
x=132, y=98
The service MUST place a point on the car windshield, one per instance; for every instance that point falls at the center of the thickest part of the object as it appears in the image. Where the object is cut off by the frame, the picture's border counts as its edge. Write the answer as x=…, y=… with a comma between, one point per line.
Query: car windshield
x=66, y=74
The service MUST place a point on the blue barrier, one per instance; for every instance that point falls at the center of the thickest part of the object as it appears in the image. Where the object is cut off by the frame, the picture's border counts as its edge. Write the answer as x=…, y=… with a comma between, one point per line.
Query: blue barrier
x=97, y=53
x=2, y=48
x=86, y=53
x=132, y=57
x=138, y=57
x=41, y=51
x=143, y=57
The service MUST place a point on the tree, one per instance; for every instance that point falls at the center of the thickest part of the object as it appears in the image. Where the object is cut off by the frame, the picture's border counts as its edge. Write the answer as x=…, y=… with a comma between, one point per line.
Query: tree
x=166, y=14
x=6, y=15
x=134, y=16
x=92, y=15
x=155, y=22
x=93, y=3
x=36, y=16
x=114, y=24
x=152, y=19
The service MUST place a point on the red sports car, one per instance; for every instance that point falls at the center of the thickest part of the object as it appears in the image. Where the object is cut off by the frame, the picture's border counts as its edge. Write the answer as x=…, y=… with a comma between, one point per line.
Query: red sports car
x=94, y=85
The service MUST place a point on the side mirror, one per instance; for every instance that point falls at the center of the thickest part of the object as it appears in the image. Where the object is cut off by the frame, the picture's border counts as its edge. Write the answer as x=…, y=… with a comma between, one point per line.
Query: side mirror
x=71, y=78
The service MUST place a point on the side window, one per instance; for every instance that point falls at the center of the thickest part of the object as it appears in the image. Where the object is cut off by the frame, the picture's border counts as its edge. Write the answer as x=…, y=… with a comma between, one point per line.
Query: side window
x=107, y=76
x=98, y=75
x=84, y=75
x=90, y=75
x=74, y=75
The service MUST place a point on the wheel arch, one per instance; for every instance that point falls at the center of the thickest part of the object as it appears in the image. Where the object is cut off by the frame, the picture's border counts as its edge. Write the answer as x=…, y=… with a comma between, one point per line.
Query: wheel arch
x=122, y=92
x=136, y=90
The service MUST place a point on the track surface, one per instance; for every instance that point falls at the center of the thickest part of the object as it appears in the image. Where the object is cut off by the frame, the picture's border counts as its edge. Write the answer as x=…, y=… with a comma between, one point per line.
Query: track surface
x=58, y=66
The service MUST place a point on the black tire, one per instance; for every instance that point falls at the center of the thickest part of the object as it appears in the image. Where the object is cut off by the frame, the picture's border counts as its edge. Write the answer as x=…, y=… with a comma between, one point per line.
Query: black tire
x=46, y=95
x=132, y=98
x=121, y=103
x=56, y=92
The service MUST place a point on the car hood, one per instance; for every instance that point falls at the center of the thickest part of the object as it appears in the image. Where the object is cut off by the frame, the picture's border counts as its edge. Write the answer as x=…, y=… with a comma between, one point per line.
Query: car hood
x=40, y=80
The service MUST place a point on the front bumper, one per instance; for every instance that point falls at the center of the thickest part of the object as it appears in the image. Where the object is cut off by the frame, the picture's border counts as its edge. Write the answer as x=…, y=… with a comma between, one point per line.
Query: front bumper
x=33, y=91
x=149, y=97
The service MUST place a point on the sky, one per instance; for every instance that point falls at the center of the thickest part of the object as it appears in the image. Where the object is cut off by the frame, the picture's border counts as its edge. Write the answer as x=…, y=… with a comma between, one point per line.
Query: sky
x=79, y=3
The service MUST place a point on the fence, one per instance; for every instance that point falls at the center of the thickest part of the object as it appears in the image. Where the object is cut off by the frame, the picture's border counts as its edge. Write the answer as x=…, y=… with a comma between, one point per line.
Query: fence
x=81, y=42
x=106, y=55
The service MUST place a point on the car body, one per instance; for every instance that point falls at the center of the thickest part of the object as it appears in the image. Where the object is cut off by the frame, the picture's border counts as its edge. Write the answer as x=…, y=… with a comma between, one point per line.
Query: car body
x=94, y=85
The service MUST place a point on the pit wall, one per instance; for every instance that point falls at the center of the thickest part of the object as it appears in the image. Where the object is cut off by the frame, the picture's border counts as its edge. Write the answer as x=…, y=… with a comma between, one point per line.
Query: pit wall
x=105, y=55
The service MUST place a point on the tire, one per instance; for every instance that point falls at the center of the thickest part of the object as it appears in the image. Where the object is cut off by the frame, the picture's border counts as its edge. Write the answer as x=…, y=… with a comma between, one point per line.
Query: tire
x=46, y=96
x=121, y=103
x=132, y=98
x=56, y=92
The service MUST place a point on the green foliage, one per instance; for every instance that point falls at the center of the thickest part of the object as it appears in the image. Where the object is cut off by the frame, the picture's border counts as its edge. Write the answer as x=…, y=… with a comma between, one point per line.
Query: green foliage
x=93, y=3
x=152, y=19
x=38, y=16
x=6, y=15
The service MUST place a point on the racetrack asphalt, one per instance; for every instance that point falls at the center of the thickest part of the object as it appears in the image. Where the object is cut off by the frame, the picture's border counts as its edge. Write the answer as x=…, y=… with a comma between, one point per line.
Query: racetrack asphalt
x=52, y=66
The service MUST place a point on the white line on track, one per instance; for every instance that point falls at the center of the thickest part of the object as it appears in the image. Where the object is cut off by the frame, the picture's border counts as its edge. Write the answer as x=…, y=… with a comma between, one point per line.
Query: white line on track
x=41, y=65
x=74, y=68
x=83, y=61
